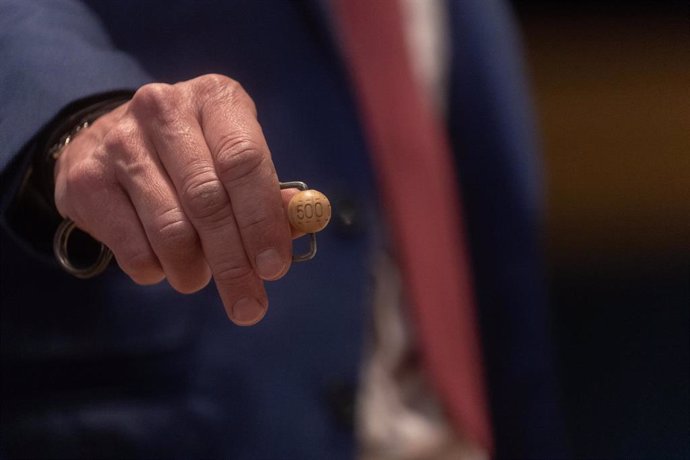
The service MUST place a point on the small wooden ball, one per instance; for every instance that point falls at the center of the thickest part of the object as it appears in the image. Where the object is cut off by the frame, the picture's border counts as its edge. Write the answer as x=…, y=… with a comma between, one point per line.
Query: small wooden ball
x=309, y=211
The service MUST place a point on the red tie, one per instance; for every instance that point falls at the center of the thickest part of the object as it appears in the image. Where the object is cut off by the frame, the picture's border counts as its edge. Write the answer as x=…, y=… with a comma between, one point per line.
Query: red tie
x=415, y=173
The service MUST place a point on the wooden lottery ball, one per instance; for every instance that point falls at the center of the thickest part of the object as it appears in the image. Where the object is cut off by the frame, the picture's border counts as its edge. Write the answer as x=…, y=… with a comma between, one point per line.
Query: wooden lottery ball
x=309, y=211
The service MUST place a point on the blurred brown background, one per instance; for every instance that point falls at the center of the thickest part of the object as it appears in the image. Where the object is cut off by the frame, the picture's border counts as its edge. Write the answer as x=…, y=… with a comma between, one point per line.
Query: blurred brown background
x=611, y=82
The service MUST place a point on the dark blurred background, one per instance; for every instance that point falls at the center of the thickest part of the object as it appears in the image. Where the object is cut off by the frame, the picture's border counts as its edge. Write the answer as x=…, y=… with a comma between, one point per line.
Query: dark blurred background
x=611, y=82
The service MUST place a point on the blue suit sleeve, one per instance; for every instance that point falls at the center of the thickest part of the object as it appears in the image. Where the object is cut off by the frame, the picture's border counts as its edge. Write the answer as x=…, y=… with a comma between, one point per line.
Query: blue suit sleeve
x=52, y=53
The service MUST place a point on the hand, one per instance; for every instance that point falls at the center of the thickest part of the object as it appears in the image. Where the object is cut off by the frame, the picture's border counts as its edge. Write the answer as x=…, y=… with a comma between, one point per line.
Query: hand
x=179, y=184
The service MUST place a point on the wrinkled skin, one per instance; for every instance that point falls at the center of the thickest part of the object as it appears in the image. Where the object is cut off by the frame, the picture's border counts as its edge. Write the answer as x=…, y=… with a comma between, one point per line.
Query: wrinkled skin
x=179, y=184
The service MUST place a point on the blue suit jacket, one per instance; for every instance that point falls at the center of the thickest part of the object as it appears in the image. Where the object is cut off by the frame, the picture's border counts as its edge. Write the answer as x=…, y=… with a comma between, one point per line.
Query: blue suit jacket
x=107, y=368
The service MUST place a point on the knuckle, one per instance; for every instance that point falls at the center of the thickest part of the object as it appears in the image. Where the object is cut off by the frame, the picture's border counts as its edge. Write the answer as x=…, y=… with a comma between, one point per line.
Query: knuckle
x=121, y=138
x=216, y=80
x=174, y=232
x=237, y=157
x=84, y=178
x=233, y=273
x=141, y=266
x=258, y=223
x=204, y=196
x=189, y=285
x=159, y=101
x=215, y=86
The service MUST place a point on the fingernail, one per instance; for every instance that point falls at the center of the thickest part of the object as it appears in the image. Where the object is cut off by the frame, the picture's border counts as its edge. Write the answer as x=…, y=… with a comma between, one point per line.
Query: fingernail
x=269, y=264
x=247, y=311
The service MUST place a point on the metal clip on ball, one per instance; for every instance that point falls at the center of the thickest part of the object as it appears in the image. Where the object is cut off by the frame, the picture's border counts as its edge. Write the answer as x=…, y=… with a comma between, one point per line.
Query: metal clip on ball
x=308, y=211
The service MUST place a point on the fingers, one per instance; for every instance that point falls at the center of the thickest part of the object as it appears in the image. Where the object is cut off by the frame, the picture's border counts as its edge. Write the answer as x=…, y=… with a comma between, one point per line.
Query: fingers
x=184, y=154
x=286, y=196
x=118, y=230
x=179, y=183
x=106, y=213
x=243, y=164
x=170, y=233
x=87, y=193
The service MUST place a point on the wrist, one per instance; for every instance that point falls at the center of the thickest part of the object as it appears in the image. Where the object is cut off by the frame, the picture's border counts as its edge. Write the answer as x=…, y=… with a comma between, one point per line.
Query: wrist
x=31, y=213
x=62, y=135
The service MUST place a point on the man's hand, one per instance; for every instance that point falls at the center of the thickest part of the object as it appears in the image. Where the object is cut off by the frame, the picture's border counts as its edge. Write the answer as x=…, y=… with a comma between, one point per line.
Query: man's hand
x=179, y=184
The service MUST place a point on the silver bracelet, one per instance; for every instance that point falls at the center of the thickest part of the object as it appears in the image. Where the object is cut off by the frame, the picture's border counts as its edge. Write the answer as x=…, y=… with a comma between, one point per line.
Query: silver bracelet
x=64, y=141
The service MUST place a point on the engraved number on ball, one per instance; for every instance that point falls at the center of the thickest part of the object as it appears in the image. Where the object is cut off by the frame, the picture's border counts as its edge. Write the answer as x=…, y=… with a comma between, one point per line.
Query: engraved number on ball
x=309, y=211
